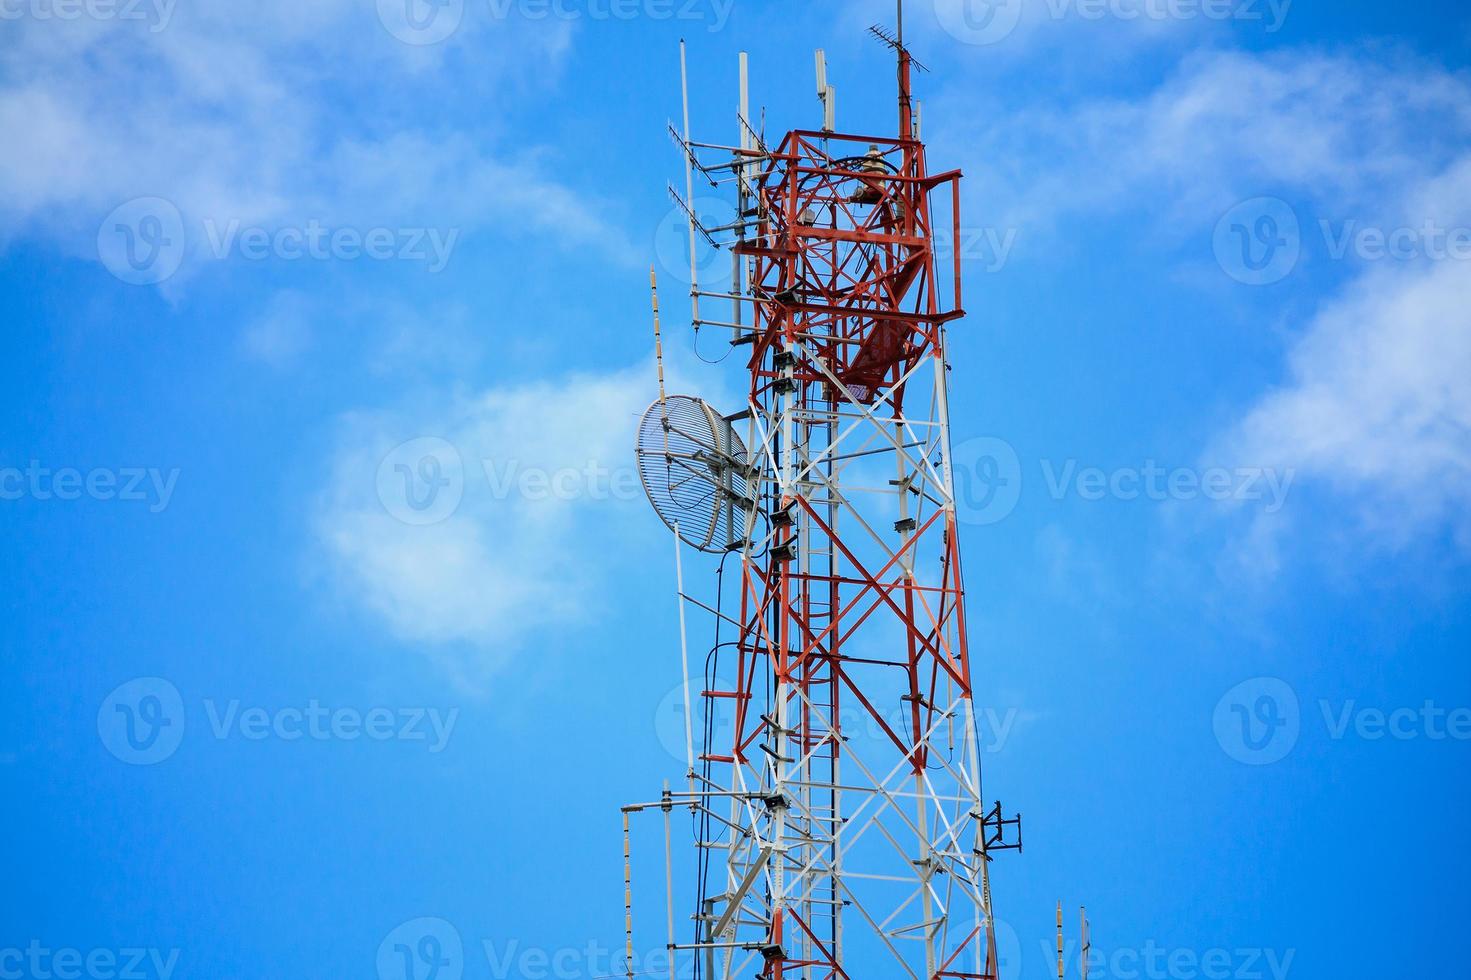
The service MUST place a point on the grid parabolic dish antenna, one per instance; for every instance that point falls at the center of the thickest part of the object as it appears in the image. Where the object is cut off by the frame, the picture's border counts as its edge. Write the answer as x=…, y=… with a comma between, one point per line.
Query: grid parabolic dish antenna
x=695, y=472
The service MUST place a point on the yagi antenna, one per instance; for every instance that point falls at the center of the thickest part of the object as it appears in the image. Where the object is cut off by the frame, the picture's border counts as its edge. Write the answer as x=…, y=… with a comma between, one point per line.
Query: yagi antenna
x=890, y=40
x=907, y=62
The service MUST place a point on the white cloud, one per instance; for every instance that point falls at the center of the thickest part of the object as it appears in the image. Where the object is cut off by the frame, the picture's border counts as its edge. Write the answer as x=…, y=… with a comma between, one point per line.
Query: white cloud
x=271, y=114
x=1352, y=133
x=547, y=517
x=283, y=331
x=507, y=562
x=1375, y=406
x=1378, y=405
x=549, y=507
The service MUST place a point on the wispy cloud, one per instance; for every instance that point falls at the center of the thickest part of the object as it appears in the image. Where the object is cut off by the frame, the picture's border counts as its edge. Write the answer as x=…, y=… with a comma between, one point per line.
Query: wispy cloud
x=281, y=333
x=1374, y=407
x=227, y=113
x=465, y=526
x=1378, y=405
x=475, y=525
x=1354, y=131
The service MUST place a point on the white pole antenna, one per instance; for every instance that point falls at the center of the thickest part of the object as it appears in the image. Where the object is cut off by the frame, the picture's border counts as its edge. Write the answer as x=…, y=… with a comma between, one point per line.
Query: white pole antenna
x=743, y=197
x=689, y=187
x=1087, y=946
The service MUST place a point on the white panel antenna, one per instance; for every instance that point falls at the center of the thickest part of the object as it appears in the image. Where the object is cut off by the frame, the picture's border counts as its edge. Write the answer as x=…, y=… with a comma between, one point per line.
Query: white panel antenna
x=826, y=93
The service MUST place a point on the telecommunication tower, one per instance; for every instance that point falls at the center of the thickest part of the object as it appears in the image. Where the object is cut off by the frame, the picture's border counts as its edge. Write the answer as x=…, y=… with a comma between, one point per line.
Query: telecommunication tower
x=839, y=823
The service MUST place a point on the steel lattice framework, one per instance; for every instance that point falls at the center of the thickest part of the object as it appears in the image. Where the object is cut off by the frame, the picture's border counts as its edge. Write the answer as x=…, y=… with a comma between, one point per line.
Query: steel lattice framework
x=840, y=823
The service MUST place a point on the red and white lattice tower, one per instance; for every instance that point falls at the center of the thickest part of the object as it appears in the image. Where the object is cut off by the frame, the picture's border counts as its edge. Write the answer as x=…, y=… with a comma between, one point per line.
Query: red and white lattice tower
x=839, y=819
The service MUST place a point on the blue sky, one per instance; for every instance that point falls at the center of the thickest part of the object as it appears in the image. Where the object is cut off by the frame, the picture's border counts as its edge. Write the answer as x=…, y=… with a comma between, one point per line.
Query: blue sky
x=267, y=715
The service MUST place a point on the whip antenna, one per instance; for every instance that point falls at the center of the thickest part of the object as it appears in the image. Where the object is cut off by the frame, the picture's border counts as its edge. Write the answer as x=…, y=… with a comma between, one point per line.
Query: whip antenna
x=658, y=340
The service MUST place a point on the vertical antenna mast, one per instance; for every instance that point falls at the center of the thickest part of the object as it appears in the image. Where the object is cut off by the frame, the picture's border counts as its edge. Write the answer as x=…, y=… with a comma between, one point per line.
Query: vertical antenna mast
x=743, y=195
x=906, y=111
x=1086, y=946
x=689, y=187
